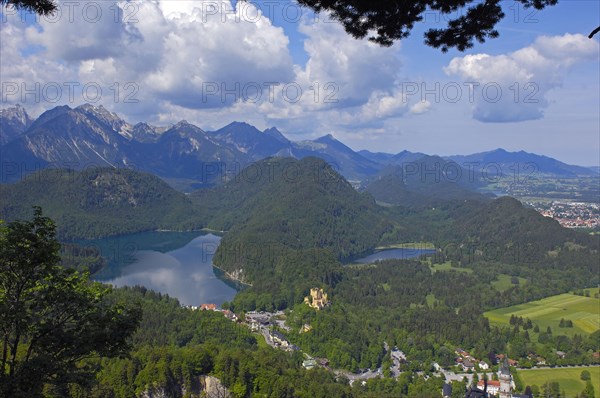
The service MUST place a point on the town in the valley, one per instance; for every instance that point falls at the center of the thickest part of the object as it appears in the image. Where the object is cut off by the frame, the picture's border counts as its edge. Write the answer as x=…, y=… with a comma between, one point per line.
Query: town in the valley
x=478, y=373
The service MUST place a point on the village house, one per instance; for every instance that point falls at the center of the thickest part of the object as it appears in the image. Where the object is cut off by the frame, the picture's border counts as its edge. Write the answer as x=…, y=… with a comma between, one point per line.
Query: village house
x=208, y=307
x=257, y=321
x=309, y=364
x=230, y=315
x=540, y=361
x=461, y=352
x=254, y=325
x=447, y=390
x=493, y=386
x=279, y=339
x=467, y=365
x=262, y=319
x=468, y=362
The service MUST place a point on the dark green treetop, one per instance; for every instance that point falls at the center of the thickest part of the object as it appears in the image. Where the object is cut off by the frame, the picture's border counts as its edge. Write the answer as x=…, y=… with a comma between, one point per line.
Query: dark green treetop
x=51, y=317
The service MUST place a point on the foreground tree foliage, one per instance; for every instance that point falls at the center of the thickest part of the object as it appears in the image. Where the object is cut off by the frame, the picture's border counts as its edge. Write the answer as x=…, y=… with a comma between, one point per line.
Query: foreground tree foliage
x=41, y=7
x=175, y=347
x=388, y=21
x=51, y=317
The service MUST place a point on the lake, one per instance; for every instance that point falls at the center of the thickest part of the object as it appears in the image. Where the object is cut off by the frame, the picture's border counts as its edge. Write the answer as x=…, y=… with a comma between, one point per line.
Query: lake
x=176, y=263
x=389, y=254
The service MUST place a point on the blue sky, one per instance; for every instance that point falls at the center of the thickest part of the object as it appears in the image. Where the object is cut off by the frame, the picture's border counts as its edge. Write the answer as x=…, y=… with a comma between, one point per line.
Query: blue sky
x=536, y=88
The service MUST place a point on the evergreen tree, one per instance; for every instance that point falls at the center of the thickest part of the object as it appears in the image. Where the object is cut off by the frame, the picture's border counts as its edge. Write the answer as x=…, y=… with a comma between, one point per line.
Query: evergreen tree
x=528, y=392
x=588, y=392
x=42, y=7
x=585, y=375
x=394, y=20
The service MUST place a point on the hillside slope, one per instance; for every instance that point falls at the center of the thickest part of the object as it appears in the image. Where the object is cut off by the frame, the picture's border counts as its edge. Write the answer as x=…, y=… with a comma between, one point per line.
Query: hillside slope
x=98, y=202
x=287, y=204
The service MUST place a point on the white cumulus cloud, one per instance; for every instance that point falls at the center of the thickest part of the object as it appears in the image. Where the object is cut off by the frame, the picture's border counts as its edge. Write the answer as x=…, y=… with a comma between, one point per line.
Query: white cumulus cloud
x=420, y=107
x=514, y=87
x=152, y=52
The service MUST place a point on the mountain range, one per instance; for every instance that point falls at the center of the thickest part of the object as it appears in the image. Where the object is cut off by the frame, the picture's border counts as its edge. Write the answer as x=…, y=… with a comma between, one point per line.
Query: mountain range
x=189, y=157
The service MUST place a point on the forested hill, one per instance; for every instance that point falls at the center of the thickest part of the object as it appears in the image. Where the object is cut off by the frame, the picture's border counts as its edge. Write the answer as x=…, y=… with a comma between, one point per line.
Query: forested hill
x=392, y=189
x=284, y=204
x=98, y=202
x=514, y=232
x=426, y=181
x=502, y=229
x=296, y=204
x=505, y=231
x=502, y=234
x=507, y=219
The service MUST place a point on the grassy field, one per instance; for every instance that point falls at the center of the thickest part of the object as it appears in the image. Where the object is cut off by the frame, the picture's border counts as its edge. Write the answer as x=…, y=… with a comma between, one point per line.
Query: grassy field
x=448, y=267
x=569, y=378
x=583, y=311
x=409, y=245
x=260, y=340
x=504, y=282
x=430, y=299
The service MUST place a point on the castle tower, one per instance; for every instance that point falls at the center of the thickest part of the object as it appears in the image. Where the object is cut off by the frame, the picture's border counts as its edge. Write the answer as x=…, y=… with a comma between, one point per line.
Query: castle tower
x=505, y=380
x=317, y=298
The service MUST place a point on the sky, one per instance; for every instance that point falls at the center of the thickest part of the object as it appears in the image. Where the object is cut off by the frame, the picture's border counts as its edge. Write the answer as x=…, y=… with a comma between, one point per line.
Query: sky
x=272, y=63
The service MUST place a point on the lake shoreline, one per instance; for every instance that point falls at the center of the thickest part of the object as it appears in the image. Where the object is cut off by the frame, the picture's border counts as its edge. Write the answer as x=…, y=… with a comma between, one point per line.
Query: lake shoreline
x=170, y=262
x=231, y=277
x=124, y=234
x=401, y=253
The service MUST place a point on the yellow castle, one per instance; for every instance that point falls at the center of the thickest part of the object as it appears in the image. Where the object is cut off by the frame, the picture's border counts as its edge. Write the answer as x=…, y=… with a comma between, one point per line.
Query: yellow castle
x=317, y=298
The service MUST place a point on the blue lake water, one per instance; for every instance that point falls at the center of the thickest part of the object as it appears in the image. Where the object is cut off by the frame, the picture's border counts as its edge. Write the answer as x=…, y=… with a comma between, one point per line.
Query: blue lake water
x=175, y=263
x=180, y=264
x=388, y=254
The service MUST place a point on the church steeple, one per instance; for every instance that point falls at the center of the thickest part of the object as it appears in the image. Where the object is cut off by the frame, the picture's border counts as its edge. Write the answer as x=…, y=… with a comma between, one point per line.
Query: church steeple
x=505, y=380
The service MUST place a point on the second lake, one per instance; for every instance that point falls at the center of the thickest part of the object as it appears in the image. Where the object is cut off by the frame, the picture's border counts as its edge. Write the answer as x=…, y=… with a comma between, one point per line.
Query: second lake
x=389, y=254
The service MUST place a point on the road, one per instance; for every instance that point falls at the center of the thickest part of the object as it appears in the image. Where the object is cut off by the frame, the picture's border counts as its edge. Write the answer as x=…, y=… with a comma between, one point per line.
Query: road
x=396, y=355
x=352, y=377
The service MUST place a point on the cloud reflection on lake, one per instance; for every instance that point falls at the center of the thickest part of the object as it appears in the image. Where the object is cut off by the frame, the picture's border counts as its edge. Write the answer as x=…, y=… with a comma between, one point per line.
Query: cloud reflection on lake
x=185, y=273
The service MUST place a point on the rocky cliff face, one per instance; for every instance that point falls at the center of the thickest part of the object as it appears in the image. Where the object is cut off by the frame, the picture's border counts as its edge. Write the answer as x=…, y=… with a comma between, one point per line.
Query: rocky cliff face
x=213, y=388
x=204, y=387
x=13, y=122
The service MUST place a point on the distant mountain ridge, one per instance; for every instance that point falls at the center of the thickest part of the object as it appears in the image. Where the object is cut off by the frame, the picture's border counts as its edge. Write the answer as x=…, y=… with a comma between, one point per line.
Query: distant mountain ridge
x=13, y=122
x=426, y=181
x=527, y=162
x=90, y=135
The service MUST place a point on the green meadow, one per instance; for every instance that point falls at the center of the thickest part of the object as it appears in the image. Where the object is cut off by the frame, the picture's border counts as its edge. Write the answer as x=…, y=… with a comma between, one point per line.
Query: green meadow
x=583, y=311
x=408, y=245
x=504, y=282
x=569, y=378
x=447, y=266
